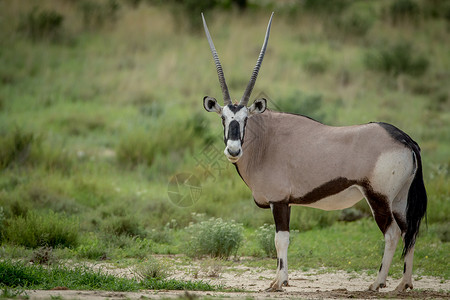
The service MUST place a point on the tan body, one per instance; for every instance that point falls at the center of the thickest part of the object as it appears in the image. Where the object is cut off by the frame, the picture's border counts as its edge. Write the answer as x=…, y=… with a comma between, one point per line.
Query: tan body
x=277, y=171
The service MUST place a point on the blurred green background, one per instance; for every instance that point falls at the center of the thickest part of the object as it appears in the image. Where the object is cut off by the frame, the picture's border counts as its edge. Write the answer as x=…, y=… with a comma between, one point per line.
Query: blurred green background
x=101, y=106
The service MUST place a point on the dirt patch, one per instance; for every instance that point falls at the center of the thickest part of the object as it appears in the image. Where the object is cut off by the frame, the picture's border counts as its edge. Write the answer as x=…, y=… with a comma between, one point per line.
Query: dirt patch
x=312, y=284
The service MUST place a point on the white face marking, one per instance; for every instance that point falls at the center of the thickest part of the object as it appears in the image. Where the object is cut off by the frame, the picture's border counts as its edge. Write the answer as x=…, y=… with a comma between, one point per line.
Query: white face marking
x=233, y=146
x=239, y=116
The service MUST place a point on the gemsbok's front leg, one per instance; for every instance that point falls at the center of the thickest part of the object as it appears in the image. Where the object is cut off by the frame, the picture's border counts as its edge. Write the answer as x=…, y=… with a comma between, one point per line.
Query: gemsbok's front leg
x=281, y=214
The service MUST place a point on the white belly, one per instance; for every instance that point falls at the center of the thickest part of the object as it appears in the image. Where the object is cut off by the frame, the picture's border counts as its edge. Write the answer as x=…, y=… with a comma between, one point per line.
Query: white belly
x=345, y=199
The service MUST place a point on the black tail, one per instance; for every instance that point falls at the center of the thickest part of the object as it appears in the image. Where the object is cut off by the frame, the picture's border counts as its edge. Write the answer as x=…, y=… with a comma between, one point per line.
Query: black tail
x=416, y=207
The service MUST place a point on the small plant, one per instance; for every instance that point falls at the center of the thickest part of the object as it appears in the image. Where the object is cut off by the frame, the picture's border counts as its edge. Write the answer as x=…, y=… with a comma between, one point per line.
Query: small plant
x=266, y=239
x=397, y=59
x=39, y=230
x=43, y=256
x=214, y=237
x=152, y=269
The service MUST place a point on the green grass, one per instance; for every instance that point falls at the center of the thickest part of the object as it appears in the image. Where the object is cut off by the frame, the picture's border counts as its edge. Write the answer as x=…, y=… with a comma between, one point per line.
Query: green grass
x=96, y=118
x=20, y=275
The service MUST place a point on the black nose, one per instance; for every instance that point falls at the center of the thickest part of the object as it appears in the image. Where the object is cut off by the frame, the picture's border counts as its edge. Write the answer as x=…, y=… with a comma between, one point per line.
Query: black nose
x=234, y=153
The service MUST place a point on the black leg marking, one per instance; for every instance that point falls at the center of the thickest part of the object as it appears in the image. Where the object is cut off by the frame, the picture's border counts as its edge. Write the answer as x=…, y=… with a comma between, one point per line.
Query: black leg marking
x=380, y=207
x=380, y=268
x=404, y=268
x=281, y=264
x=278, y=262
x=281, y=215
x=400, y=222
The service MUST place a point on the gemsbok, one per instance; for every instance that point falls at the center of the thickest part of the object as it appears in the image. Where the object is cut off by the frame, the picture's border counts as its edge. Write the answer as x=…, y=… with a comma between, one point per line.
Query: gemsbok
x=287, y=159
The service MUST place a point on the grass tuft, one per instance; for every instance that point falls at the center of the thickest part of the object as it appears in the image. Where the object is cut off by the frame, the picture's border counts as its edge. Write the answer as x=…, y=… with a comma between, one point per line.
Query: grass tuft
x=42, y=230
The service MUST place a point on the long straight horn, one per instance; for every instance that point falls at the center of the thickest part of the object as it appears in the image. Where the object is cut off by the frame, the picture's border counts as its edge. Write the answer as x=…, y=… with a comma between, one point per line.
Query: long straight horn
x=223, y=84
x=251, y=84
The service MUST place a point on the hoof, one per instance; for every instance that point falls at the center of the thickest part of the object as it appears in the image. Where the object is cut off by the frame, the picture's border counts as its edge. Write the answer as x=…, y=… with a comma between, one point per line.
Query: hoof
x=402, y=287
x=374, y=287
x=274, y=289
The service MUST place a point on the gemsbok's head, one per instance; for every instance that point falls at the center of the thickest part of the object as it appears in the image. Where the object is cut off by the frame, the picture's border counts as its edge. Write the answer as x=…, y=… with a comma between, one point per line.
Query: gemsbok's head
x=234, y=116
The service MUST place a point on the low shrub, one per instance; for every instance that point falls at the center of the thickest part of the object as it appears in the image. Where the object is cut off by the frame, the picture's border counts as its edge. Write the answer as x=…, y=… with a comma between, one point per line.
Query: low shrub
x=316, y=65
x=397, y=59
x=43, y=256
x=15, y=146
x=38, y=230
x=92, y=248
x=98, y=13
x=41, y=24
x=124, y=225
x=325, y=6
x=152, y=269
x=355, y=23
x=404, y=10
x=305, y=104
x=215, y=237
x=266, y=239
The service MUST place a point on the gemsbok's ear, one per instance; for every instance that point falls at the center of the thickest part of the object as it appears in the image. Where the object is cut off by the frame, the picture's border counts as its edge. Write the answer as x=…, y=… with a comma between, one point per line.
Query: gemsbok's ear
x=258, y=107
x=211, y=105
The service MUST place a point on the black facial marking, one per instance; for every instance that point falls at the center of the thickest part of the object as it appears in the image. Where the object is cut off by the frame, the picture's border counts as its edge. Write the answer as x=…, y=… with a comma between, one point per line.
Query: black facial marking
x=281, y=264
x=235, y=108
x=281, y=215
x=234, y=131
x=377, y=201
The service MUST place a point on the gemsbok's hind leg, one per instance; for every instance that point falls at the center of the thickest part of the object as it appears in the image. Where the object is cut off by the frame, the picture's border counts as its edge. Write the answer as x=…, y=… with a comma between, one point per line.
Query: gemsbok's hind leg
x=399, y=211
x=281, y=214
x=382, y=213
x=407, y=272
x=391, y=237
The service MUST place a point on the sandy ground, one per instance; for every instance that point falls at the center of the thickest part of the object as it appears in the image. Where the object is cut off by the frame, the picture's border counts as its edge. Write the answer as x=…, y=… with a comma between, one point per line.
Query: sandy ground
x=313, y=284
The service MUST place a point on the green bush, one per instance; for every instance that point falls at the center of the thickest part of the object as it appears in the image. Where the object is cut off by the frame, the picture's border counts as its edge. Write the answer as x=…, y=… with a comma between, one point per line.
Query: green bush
x=266, y=239
x=356, y=23
x=316, y=65
x=15, y=146
x=97, y=13
x=300, y=103
x=124, y=225
x=325, y=6
x=404, y=10
x=39, y=230
x=215, y=237
x=40, y=24
x=397, y=59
